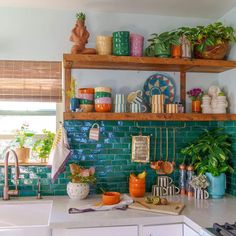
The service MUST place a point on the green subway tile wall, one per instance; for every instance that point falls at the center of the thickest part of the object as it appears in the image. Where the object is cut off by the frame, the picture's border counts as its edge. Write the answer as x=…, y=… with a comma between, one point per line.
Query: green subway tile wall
x=111, y=155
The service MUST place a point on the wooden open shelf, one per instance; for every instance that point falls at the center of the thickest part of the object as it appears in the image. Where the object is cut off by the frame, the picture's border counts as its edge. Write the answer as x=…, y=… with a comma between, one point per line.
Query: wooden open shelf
x=146, y=63
x=148, y=116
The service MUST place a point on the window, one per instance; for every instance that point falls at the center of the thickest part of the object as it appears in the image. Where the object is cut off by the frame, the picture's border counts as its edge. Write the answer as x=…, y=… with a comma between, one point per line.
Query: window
x=13, y=114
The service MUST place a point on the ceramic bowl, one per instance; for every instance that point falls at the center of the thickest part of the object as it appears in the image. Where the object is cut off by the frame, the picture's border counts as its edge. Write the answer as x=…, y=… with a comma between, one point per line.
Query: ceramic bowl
x=101, y=95
x=103, y=89
x=104, y=100
x=103, y=107
x=87, y=96
x=110, y=198
x=86, y=90
x=86, y=107
x=86, y=101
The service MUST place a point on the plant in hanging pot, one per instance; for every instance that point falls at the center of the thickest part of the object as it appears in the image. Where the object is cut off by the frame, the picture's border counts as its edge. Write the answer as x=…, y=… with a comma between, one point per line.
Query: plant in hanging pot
x=42, y=146
x=160, y=44
x=78, y=187
x=195, y=95
x=21, y=143
x=210, y=154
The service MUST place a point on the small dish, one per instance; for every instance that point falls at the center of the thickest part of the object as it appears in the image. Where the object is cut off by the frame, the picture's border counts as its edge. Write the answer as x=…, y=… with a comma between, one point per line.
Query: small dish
x=110, y=198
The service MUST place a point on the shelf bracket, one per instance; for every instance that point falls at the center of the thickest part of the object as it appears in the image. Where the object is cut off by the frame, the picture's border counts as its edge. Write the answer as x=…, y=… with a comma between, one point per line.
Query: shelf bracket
x=183, y=89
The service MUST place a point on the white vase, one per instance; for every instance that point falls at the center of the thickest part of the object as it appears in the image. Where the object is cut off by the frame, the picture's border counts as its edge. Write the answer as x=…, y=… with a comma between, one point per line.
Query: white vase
x=77, y=190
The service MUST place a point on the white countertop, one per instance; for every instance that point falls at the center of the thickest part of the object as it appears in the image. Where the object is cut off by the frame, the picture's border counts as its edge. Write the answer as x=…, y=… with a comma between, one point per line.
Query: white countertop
x=197, y=213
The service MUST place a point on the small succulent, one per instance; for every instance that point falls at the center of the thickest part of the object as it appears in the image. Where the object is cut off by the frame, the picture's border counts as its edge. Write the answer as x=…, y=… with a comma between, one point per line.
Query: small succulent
x=199, y=181
x=80, y=16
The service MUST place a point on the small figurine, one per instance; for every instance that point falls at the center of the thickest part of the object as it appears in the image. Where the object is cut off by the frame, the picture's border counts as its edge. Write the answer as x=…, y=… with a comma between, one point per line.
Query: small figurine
x=80, y=35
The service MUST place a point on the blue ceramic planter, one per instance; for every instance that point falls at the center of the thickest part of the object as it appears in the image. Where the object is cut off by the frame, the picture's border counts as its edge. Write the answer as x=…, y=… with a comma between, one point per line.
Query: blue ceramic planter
x=74, y=103
x=217, y=185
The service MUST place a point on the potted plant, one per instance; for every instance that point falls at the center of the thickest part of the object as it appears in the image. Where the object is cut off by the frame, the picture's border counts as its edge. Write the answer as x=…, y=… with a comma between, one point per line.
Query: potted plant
x=210, y=154
x=78, y=187
x=74, y=101
x=22, y=139
x=211, y=41
x=160, y=44
x=42, y=146
x=195, y=95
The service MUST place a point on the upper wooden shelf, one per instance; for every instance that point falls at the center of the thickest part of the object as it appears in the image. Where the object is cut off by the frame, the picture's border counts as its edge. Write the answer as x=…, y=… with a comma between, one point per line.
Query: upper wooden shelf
x=148, y=116
x=146, y=63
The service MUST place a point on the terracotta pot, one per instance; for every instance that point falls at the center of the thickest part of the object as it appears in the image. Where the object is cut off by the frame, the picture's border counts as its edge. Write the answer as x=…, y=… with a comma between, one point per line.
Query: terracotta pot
x=137, y=187
x=176, y=51
x=196, y=106
x=217, y=52
x=23, y=154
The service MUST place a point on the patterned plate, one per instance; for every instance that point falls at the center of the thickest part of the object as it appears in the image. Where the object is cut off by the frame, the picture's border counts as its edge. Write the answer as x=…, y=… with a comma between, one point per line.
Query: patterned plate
x=160, y=84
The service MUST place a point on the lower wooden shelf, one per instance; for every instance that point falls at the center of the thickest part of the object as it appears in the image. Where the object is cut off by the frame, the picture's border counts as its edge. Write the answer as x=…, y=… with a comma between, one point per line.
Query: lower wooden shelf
x=148, y=116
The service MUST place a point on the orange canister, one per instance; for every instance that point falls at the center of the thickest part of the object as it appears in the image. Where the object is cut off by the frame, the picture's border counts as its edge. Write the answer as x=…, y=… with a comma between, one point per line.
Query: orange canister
x=137, y=187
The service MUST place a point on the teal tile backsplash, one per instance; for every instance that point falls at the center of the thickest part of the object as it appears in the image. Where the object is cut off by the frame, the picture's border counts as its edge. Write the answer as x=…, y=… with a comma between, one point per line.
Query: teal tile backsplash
x=111, y=155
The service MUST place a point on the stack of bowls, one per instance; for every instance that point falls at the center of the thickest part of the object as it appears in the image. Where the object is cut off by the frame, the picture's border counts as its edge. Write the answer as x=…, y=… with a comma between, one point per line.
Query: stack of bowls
x=86, y=96
x=103, y=101
x=104, y=45
x=121, y=43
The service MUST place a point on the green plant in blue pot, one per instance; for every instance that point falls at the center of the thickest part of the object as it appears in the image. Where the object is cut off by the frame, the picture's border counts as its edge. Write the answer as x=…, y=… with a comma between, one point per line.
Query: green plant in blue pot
x=210, y=154
x=74, y=101
x=160, y=44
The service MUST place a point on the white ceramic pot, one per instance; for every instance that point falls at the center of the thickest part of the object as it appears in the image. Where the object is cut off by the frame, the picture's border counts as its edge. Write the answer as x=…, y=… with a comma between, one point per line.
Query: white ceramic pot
x=77, y=190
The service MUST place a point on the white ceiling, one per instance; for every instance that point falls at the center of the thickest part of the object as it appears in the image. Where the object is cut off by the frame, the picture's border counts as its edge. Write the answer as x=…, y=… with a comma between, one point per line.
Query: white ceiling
x=186, y=8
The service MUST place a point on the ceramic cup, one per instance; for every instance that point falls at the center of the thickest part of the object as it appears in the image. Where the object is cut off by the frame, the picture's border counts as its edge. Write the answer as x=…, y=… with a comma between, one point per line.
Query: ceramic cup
x=171, y=108
x=200, y=193
x=158, y=108
x=158, y=99
x=164, y=181
x=104, y=45
x=137, y=98
x=172, y=190
x=136, y=45
x=120, y=99
x=159, y=191
x=120, y=108
x=137, y=108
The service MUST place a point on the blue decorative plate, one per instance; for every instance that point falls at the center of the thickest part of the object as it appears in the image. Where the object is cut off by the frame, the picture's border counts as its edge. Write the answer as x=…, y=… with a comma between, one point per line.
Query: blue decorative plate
x=160, y=84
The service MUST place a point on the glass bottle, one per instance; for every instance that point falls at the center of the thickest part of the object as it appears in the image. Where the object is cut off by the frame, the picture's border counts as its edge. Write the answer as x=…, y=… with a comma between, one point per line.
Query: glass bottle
x=189, y=188
x=182, y=179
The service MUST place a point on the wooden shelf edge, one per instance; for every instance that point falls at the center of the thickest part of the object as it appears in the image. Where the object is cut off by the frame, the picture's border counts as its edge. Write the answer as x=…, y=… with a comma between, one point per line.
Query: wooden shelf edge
x=146, y=63
x=148, y=116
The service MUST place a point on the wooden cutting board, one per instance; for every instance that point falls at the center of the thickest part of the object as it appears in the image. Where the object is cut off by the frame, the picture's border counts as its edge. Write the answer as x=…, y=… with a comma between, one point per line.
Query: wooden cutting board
x=173, y=208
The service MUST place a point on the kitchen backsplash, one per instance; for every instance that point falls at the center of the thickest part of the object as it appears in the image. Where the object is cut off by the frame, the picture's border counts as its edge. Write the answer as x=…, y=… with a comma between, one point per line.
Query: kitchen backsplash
x=111, y=155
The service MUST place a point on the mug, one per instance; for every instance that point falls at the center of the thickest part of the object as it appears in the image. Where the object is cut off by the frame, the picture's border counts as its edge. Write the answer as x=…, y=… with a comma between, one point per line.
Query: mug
x=164, y=181
x=137, y=108
x=159, y=191
x=171, y=108
x=158, y=99
x=120, y=107
x=136, y=45
x=132, y=96
x=104, y=45
x=120, y=99
x=157, y=108
x=172, y=190
x=200, y=193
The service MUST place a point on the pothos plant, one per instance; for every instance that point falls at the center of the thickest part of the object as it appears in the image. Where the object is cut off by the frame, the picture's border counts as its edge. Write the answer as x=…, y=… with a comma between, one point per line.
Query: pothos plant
x=210, y=35
x=164, y=40
x=210, y=152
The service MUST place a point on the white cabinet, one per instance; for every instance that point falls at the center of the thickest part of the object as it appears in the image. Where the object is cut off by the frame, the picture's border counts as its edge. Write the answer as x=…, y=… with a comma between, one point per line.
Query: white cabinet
x=26, y=231
x=163, y=230
x=98, y=231
x=189, y=231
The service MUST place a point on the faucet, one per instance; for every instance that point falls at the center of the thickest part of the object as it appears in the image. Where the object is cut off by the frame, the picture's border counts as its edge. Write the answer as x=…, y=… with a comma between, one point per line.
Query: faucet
x=39, y=196
x=6, y=192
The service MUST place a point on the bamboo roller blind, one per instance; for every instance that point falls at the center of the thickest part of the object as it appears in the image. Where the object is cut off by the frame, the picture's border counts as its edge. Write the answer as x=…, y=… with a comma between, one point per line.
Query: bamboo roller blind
x=39, y=81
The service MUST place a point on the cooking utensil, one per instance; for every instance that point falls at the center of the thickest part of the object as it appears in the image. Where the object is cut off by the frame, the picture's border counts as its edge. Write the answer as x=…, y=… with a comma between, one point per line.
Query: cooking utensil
x=167, y=166
x=160, y=162
x=174, y=147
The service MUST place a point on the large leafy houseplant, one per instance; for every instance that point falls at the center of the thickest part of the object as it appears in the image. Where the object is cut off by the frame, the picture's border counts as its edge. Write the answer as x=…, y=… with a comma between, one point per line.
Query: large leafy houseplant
x=160, y=44
x=210, y=152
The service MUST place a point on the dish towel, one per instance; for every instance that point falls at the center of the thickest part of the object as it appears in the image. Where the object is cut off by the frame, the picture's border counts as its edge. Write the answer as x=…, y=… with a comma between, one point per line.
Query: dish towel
x=122, y=205
x=59, y=154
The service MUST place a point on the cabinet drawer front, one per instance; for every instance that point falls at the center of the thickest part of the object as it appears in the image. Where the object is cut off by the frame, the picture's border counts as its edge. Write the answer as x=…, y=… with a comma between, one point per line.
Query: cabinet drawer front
x=163, y=230
x=189, y=232
x=103, y=231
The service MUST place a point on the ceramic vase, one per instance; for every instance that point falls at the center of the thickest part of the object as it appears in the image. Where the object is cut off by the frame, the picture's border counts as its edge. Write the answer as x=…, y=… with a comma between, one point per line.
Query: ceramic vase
x=196, y=106
x=74, y=104
x=77, y=190
x=217, y=186
x=162, y=50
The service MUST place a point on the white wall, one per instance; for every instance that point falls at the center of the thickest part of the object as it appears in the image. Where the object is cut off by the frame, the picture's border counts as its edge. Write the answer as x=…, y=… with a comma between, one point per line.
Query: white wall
x=227, y=80
x=38, y=34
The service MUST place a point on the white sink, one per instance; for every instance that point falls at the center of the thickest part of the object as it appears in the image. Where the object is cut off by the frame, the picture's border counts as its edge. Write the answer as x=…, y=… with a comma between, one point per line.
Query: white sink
x=24, y=214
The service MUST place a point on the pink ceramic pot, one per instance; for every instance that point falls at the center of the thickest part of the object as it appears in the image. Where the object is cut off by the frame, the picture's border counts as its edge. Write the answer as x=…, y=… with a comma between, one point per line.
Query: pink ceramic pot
x=136, y=45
